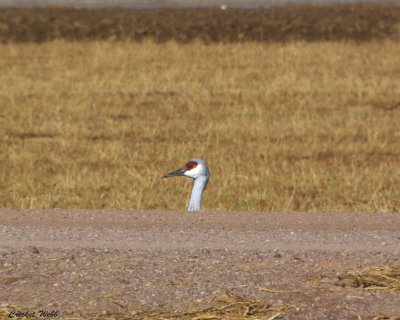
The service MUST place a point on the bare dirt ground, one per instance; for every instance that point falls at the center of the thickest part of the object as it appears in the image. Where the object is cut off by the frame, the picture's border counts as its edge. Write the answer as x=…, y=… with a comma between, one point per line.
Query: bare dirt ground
x=88, y=262
x=279, y=23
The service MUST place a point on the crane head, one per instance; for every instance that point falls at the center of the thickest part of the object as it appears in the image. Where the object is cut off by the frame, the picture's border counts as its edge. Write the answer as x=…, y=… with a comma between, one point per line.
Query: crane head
x=193, y=169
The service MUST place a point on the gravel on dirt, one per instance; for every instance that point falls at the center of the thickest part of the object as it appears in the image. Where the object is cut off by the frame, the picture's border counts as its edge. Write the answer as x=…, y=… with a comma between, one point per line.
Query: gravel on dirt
x=88, y=262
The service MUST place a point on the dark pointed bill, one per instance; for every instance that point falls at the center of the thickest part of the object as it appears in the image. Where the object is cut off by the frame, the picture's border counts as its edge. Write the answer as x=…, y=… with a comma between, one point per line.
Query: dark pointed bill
x=179, y=172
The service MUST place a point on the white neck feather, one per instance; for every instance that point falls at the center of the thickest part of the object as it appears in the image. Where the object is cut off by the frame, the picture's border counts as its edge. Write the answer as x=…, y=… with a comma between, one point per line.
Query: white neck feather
x=199, y=185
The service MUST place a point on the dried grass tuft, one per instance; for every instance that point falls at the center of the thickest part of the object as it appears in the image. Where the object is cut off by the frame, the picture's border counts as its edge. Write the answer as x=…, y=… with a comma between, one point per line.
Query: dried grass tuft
x=375, y=278
x=227, y=306
x=383, y=317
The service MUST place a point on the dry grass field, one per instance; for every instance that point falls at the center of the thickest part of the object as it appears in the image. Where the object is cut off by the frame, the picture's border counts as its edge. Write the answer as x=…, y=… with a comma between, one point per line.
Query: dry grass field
x=283, y=126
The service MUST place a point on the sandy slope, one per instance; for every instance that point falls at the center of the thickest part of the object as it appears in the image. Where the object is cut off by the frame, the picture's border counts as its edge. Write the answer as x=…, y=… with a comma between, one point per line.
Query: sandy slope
x=86, y=261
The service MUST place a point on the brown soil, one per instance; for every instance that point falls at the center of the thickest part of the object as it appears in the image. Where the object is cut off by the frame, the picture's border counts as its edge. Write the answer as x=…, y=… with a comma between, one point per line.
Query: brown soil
x=310, y=22
x=89, y=262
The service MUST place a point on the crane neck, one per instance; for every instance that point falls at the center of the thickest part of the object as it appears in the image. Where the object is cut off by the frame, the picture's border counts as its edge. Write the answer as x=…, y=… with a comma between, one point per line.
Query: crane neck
x=199, y=185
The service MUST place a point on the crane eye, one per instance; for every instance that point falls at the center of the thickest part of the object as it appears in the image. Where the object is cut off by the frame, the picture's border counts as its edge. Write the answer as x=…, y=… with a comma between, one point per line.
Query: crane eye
x=191, y=165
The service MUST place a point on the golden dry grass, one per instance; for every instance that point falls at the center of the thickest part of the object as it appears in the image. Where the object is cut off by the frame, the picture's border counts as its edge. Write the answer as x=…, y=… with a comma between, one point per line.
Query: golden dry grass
x=229, y=305
x=295, y=126
x=385, y=278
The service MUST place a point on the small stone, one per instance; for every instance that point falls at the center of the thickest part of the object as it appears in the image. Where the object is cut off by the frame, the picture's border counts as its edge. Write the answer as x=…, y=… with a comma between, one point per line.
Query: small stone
x=277, y=254
x=34, y=250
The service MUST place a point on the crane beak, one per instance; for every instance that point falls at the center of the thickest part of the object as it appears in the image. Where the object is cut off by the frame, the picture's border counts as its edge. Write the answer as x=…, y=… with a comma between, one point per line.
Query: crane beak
x=179, y=172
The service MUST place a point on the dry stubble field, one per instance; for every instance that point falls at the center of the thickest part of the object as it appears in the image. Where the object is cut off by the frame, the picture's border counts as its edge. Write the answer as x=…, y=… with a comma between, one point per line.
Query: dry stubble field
x=305, y=126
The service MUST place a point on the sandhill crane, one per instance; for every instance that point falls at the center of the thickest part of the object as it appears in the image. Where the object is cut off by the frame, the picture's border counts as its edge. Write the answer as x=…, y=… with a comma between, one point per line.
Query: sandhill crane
x=198, y=171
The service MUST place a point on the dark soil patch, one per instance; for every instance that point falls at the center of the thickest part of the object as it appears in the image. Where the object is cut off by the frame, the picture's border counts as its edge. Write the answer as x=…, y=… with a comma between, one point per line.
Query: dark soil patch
x=309, y=22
